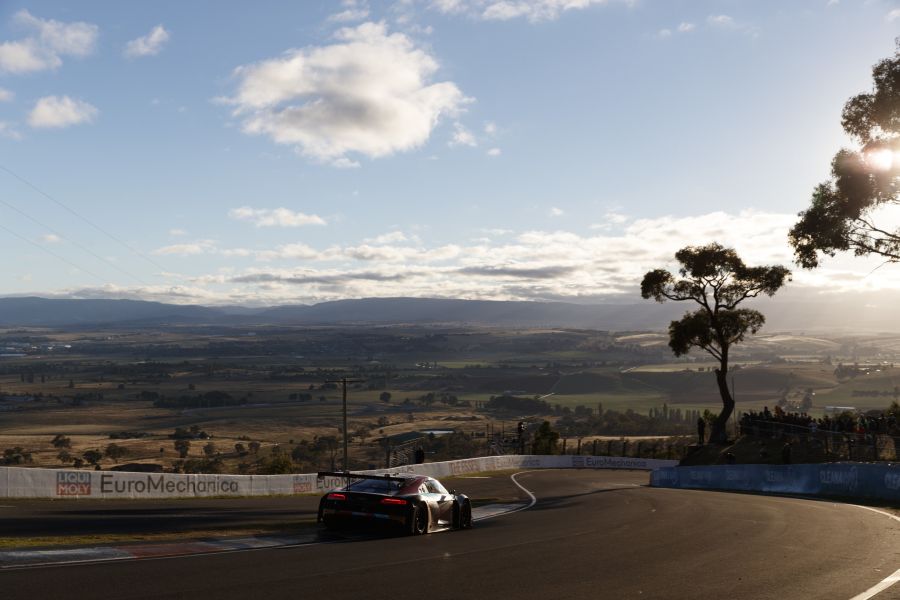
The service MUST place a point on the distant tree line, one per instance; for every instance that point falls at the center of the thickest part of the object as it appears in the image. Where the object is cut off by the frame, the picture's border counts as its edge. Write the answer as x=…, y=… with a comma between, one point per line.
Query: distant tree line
x=213, y=399
x=612, y=422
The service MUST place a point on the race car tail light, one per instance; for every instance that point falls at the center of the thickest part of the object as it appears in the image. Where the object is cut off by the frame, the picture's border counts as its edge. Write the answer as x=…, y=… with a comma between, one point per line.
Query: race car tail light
x=337, y=496
x=396, y=501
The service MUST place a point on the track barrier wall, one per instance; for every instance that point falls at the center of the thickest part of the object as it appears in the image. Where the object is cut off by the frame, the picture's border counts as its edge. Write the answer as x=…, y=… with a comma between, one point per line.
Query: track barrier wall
x=17, y=482
x=835, y=480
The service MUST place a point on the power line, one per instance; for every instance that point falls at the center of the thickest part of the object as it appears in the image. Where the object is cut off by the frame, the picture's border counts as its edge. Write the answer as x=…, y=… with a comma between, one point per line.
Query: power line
x=76, y=243
x=54, y=254
x=84, y=219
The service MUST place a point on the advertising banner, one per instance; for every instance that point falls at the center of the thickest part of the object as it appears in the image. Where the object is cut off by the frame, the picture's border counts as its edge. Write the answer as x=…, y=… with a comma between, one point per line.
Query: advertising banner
x=836, y=480
x=16, y=482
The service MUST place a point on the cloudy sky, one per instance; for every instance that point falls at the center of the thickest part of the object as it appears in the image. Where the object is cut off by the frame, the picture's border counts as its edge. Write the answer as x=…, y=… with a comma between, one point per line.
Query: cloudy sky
x=274, y=152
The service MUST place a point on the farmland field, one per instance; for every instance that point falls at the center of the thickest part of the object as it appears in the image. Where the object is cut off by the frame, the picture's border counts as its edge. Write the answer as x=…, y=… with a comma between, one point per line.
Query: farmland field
x=275, y=388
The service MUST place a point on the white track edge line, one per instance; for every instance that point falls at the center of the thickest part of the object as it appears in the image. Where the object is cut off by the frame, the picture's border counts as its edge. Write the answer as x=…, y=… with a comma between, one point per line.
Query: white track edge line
x=890, y=579
x=235, y=550
x=515, y=510
x=869, y=593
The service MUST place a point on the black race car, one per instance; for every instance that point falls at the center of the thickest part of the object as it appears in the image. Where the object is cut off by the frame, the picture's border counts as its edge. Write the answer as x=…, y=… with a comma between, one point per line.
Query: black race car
x=416, y=504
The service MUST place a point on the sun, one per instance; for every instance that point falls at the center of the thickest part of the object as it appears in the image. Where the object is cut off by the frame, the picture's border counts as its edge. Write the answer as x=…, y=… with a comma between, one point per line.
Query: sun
x=881, y=159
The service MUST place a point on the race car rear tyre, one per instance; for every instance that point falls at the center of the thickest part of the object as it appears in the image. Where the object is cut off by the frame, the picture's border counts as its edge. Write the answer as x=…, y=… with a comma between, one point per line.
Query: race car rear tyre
x=419, y=520
x=465, y=516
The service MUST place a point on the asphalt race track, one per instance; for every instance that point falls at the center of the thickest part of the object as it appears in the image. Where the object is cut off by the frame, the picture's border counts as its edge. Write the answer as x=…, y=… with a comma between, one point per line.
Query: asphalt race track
x=592, y=534
x=32, y=518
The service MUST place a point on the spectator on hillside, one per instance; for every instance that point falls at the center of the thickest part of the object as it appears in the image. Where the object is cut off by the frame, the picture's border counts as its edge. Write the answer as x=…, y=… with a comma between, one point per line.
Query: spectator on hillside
x=701, y=430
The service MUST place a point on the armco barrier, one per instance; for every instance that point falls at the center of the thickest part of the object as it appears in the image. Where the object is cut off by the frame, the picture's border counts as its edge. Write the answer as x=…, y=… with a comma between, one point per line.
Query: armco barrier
x=834, y=480
x=51, y=483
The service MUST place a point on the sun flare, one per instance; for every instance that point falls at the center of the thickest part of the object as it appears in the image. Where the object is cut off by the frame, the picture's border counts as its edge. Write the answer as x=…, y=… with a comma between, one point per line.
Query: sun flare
x=882, y=159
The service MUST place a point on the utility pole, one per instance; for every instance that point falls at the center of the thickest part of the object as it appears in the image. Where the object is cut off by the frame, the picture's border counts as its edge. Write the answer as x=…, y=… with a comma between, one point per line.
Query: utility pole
x=344, y=381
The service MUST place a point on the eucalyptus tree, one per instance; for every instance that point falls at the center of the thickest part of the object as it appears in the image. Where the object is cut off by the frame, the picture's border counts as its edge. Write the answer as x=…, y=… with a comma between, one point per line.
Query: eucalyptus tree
x=717, y=280
x=843, y=213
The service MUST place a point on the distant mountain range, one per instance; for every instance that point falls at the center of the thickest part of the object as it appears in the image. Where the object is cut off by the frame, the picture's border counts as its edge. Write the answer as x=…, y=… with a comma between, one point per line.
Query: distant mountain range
x=790, y=315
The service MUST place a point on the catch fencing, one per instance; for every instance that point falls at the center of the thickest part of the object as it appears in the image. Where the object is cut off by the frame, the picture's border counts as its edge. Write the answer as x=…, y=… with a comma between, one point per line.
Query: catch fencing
x=838, y=445
x=830, y=480
x=18, y=482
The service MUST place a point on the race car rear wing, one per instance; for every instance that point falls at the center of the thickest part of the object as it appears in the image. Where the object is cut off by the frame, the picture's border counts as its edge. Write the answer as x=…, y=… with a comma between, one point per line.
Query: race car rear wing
x=358, y=476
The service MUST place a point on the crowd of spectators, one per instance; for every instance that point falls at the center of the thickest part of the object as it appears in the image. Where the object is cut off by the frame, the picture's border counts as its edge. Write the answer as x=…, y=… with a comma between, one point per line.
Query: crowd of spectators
x=779, y=422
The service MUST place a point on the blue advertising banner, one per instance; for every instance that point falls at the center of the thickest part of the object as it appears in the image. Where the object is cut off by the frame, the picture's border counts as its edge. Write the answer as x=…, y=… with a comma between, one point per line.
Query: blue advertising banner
x=845, y=480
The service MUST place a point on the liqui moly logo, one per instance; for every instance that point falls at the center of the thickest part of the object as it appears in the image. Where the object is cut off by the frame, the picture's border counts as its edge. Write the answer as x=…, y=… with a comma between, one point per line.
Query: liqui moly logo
x=302, y=486
x=666, y=476
x=701, y=477
x=846, y=479
x=737, y=476
x=892, y=481
x=73, y=483
x=774, y=476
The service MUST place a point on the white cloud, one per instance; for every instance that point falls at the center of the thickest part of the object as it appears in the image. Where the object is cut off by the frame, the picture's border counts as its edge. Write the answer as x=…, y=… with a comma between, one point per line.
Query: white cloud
x=531, y=10
x=494, y=152
x=728, y=23
x=462, y=136
x=75, y=39
x=288, y=251
x=893, y=15
x=190, y=249
x=610, y=220
x=351, y=14
x=6, y=95
x=25, y=57
x=274, y=217
x=345, y=163
x=389, y=238
x=558, y=265
x=7, y=130
x=148, y=45
x=449, y=6
x=50, y=41
x=177, y=232
x=685, y=27
x=490, y=128
x=556, y=212
x=503, y=10
x=368, y=93
x=723, y=21
x=664, y=33
x=61, y=111
x=51, y=238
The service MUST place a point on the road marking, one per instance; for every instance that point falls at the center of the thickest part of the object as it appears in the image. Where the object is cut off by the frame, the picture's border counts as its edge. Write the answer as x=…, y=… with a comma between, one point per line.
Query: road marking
x=869, y=593
x=522, y=487
x=30, y=559
x=521, y=507
x=890, y=579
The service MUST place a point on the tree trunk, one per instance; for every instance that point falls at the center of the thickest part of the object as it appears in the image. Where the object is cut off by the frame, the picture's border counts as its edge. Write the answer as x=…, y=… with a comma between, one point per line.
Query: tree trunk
x=718, y=434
